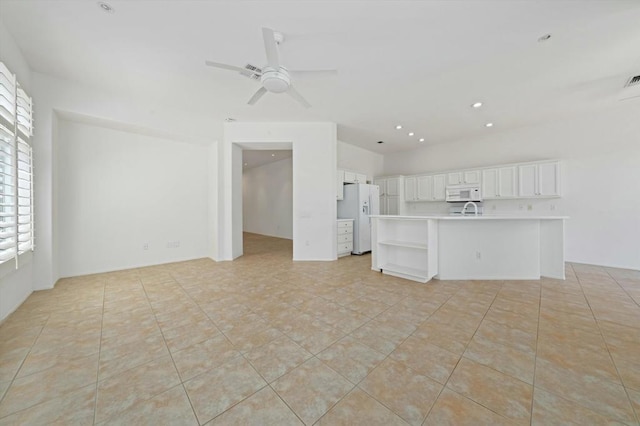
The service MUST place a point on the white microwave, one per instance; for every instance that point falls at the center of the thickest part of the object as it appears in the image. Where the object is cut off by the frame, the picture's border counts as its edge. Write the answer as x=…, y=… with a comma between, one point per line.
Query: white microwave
x=463, y=193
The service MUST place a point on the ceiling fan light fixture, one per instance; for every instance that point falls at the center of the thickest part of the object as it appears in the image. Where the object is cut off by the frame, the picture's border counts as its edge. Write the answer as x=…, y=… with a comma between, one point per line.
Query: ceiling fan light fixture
x=276, y=81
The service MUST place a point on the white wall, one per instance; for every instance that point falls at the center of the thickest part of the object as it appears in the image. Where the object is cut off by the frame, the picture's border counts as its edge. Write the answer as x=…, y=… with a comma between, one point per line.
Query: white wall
x=267, y=199
x=314, y=176
x=601, y=177
x=351, y=157
x=15, y=285
x=52, y=97
x=118, y=191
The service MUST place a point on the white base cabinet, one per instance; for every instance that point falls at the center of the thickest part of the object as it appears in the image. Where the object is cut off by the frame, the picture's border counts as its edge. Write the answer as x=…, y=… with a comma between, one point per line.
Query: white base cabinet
x=487, y=247
x=345, y=237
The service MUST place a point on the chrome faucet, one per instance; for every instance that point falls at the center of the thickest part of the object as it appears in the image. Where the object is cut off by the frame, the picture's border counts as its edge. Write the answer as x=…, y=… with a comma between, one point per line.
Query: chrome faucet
x=464, y=208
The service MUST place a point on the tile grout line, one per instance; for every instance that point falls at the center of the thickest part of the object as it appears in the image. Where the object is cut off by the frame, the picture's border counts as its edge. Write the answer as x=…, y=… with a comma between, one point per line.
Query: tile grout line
x=184, y=389
x=535, y=359
x=389, y=354
x=231, y=343
x=610, y=357
x=95, y=401
x=462, y=356
x=15, y=375
x=269, y=384
x=633, y=410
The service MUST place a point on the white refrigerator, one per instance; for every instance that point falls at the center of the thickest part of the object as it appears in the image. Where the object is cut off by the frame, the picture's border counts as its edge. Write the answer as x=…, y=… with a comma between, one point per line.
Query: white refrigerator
x=360, y=201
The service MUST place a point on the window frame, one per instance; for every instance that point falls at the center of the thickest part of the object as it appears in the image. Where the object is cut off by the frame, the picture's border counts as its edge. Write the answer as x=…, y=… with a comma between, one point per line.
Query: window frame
x=16, y=173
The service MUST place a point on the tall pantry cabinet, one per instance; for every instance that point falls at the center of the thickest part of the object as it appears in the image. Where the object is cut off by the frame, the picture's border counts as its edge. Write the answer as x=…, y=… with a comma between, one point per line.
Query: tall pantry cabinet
x=390, y=194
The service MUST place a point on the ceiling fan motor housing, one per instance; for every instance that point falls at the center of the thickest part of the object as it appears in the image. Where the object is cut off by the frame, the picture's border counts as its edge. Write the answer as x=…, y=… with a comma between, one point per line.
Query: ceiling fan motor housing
x=275, y=81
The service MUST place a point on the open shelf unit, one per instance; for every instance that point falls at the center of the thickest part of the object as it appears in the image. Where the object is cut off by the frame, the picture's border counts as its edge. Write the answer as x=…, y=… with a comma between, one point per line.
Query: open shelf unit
x=408, y=244
x=405, y=247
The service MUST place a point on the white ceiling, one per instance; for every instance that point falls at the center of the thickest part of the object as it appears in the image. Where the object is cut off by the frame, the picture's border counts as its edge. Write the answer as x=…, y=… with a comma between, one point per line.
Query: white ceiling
x=416, y=63
x=257, y=158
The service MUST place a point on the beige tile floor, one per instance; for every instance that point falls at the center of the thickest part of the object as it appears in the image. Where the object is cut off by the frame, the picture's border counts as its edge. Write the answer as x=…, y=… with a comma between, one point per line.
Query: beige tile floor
x=264, y=340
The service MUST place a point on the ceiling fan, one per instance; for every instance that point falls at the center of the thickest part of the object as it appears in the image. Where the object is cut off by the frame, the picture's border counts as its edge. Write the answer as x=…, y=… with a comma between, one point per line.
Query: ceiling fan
x=273, y=77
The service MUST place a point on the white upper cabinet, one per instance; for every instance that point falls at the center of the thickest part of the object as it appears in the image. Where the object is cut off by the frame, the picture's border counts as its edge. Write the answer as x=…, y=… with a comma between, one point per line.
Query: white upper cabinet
x=393, y=186
x=471, y=176
x=382, y=184
x=340, y=185
x=490, y=184
x=349, y=177
x=507, y=186
x=465, y=176
x=410, y=189
x=499, y=183
x=425, y=188
x=361, y=178
x=454, y=178
x=549, y=179
x=539, y=180
x=439, y=185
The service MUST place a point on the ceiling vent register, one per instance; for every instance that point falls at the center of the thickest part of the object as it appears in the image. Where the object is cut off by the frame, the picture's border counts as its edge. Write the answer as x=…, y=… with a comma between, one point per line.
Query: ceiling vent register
x=633, y=81
x=255, y=72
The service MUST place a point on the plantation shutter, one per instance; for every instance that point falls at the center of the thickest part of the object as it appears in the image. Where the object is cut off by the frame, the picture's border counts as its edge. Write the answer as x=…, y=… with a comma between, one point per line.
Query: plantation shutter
x=16, y=168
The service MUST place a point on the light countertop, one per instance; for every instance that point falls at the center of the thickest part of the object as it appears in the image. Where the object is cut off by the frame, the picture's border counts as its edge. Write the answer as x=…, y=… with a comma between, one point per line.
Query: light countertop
x=473, y=217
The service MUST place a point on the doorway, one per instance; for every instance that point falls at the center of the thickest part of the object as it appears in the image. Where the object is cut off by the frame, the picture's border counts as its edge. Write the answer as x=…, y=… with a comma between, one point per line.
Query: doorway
x=265, y=156
x=267, y=195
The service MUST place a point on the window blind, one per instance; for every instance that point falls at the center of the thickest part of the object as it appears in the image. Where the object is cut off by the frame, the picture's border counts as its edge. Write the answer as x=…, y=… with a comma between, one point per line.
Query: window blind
x=16, y=168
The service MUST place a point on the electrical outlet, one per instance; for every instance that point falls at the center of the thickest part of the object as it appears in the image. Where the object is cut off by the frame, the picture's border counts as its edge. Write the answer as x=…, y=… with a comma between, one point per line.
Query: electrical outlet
x=521, y=207
x=306, y=243
x=478, y=255
x=145, y=246
x=493, y=207
x=173, y=244
x=529, y=207
x=552, y=207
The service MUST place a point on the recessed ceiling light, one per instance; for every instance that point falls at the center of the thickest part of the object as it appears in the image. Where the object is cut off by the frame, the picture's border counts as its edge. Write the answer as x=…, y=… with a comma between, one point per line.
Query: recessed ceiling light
x=380, y=141
x=421, y=140
x=411, y=133
x=489, y=125
x=398, y=127
x=246, y=164
x=273, y=155
x=544, y=38
x=477, y=105
x=105, y=7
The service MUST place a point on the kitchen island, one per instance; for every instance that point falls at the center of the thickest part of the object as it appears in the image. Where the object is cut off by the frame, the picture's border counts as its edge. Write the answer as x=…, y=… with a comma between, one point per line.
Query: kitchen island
x=485, y=247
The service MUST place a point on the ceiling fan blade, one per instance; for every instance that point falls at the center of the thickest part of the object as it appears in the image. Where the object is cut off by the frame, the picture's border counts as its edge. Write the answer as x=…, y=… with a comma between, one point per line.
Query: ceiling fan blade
x=298, y=97
x=259, y=93
x=312, y=73
x=271, y=47
x=229, y=67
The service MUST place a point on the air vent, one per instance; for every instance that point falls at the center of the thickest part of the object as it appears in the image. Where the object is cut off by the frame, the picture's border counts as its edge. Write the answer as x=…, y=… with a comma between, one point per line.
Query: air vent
x=633, y=81
x=255, y=71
